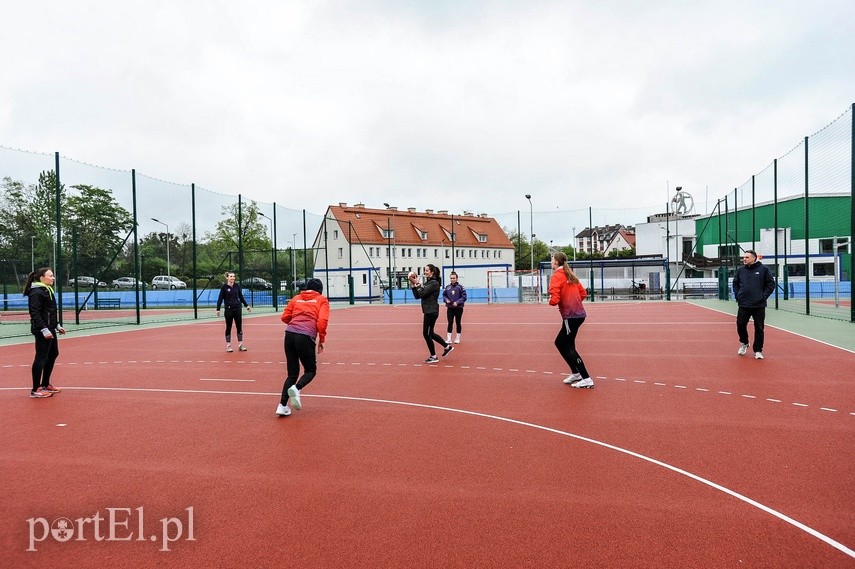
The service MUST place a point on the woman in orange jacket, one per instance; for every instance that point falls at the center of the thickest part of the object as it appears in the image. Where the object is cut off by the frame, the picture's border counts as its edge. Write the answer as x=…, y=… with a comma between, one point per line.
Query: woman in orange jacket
x=306, y=315
x=567, y=293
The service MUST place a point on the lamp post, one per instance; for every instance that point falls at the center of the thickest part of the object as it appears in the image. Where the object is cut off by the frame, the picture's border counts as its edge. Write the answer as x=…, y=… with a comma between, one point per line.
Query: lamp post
x=168, y=273
x=531, y=229
x=574, y=243
x=294, y=258
x=32, y=253
x=271, y=226
x=392, y=259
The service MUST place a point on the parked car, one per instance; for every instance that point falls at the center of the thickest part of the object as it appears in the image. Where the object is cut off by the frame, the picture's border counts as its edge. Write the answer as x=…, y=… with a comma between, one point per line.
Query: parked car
x=256, y=283
x=126, y=282
x=86, y=282
x=165, y=282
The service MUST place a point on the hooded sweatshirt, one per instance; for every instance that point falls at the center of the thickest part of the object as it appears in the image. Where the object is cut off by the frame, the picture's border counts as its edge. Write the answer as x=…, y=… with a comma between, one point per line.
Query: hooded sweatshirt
x=308, y=313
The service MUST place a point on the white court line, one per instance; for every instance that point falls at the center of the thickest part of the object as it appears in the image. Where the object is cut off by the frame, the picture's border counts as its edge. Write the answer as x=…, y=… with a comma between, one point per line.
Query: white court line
x=795, y=523
x=220, y=379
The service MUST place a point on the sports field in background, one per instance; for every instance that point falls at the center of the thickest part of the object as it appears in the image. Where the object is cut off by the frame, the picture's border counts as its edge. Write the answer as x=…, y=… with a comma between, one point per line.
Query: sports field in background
x=683, y=455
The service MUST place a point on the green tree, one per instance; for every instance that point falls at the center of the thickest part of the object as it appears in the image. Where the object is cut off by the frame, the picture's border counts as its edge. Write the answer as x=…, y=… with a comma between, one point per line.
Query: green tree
x=253, y=233
x=99, y=222
x=28, y=222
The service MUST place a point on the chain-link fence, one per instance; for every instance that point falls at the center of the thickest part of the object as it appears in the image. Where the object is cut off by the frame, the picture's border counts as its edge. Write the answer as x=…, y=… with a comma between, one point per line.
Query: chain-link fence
x=128, y=248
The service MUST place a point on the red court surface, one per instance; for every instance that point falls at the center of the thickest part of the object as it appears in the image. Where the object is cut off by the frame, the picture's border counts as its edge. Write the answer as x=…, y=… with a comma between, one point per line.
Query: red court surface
x=683, y=455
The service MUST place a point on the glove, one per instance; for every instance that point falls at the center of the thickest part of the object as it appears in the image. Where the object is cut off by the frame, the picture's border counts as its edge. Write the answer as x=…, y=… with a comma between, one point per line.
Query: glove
x=47, y=334
x=60, y=329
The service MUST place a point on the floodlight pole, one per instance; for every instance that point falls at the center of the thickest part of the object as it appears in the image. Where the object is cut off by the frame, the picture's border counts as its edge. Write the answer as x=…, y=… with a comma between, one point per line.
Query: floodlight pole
x=168, y=273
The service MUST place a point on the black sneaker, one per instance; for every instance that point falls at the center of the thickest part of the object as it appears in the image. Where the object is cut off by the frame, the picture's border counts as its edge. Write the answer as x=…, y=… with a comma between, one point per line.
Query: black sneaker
x=447, y=350
x=432, y=360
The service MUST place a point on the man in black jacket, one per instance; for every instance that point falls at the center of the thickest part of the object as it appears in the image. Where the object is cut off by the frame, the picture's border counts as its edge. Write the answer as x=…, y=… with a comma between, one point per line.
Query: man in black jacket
x=752, y=285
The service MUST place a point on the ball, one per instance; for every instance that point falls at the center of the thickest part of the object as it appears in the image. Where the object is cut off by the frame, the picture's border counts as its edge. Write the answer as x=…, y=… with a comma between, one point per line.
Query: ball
x=412, y=275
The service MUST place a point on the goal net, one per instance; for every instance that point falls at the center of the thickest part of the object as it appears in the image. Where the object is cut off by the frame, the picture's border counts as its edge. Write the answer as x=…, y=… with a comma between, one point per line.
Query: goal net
x=506, y=286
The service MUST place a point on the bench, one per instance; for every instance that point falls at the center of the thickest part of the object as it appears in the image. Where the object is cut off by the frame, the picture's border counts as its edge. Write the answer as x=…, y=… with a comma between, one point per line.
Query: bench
x=702, y=290
x=107, y=303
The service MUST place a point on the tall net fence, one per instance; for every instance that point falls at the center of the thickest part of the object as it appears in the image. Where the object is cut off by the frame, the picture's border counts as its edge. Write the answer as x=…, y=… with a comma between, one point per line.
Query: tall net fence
x=128, y=248
x=797, y=214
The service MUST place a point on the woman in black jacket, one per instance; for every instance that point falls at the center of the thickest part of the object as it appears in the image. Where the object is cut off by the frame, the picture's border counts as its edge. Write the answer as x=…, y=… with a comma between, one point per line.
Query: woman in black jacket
x=429, y=294
x=44, y=324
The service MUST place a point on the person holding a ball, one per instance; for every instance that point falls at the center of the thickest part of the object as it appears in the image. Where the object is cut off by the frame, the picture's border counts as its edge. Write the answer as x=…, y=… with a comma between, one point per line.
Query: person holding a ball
x=428, y=292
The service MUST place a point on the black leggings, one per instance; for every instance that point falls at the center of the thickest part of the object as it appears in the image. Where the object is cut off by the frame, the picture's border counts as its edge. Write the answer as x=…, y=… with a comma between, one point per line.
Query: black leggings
x=455, y=313
x=429, y=335
x=299, y=349
x=234, y=315
x=46, y=353
x=566, y=344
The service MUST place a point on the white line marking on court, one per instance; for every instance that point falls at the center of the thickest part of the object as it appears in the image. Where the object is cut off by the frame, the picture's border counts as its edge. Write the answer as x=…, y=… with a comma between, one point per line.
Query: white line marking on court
x=660, y=384
x=749, y=396
x=620, y=379
x=638, y=381
x=62, y=424
x=530, y=371
x=221, y=379
x=828, y=409
x=681, y=387
x=800, y=405
x=795, y=523
x=701, y=389
x=773, y=400
x=725, y=393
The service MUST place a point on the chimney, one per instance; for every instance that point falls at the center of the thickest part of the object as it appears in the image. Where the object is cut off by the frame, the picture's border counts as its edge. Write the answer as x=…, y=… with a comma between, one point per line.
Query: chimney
x=393, y=208
x=411, y=209
x=360, y=205
x=467, y=212
x=429, y=211
x=342, y=204
x=442, y=212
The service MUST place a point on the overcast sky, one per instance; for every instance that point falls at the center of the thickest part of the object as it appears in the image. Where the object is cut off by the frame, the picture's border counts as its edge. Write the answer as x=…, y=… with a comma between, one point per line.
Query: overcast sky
x=458, y=105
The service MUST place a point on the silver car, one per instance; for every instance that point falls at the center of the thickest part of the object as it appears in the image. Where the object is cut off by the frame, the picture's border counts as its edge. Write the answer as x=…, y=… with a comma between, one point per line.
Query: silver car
x=86, y=282
x=165, y=282
x=126, y=282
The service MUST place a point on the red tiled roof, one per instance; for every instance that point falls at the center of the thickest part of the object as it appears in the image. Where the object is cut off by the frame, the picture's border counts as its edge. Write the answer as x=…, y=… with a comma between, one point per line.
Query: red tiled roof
x=367, y=225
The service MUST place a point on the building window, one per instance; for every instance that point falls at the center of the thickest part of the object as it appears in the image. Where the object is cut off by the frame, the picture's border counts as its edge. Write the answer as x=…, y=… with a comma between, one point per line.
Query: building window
x=446, y=253
x=823, y=269
x=797, y=270
x=335, y=233
x=364, y=278
x=418, y=253
x=340, y=252
x=482, y=238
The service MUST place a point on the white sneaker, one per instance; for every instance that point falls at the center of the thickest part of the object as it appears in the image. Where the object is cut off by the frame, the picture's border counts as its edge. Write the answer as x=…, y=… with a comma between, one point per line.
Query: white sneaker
x=743, y=349
x=584, y=383
x=758, y=355
x=573, y=378
x=283, y=410
x=229, y=348
x=448, y=338
x=457, y=339
x=294, y=394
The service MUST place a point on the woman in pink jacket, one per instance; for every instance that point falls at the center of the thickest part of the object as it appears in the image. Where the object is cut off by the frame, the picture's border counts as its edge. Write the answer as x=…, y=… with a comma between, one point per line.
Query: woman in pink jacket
x=567, y=293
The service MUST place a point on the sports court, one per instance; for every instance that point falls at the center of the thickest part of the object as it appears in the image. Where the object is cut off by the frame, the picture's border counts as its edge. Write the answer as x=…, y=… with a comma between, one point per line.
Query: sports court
x=683, y=455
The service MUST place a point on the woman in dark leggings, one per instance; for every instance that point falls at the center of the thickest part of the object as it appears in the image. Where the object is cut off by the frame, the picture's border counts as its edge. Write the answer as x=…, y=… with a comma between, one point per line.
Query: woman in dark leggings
x=429, y=295
x=44, y=325
x=231, y=295
x=567, y=293
x=306, y=315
